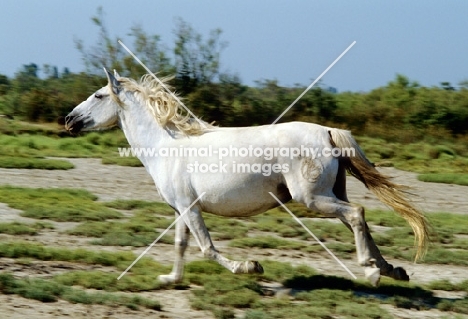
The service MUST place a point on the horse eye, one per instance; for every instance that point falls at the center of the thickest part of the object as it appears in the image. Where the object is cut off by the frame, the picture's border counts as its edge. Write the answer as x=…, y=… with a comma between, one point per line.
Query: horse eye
x=98, y=96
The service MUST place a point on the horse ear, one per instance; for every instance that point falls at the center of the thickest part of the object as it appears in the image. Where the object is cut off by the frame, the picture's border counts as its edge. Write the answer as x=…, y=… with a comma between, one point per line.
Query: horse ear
x=117, y=75
x=113, y=82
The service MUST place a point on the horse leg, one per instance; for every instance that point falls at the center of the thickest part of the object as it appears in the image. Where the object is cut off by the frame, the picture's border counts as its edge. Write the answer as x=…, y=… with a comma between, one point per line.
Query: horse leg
x=354, y=217
x=195, y=223
x=386, y=269
x=181, y=242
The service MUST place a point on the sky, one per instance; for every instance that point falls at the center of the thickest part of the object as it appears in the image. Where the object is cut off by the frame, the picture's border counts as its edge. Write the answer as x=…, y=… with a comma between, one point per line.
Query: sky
x=292, y=41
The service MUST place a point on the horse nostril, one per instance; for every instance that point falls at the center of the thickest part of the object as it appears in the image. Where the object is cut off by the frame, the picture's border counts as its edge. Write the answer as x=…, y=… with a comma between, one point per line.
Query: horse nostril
x=68, y=118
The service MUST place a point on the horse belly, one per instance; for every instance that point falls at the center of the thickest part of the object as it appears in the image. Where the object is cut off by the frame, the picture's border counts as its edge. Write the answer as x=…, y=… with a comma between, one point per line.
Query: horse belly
x=246, y=198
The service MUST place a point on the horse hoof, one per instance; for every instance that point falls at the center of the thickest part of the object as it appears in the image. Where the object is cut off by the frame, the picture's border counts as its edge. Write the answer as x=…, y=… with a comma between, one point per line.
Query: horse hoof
x=257, y=267
x=253, y=267
x=373, y=275
x=400, y=274
x=167, y=279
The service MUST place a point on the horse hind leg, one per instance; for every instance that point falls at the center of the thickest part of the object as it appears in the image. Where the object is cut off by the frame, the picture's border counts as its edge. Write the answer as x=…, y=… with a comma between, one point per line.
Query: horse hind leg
x=317, y=194
x=354, y=217
x=386, y=269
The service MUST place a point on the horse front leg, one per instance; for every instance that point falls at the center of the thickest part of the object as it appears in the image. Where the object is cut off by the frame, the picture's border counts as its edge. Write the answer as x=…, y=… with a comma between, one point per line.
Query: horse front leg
x=182, y=233
x=196, y=224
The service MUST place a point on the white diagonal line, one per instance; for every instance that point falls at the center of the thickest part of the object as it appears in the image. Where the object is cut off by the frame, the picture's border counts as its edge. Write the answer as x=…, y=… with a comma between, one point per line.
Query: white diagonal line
x=315, y=237
x=314, y=82
x=162, y=84
x=160, y=236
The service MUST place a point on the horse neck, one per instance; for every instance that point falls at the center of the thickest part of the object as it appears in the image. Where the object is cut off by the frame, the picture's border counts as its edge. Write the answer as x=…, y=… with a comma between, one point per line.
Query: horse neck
x=140, y=127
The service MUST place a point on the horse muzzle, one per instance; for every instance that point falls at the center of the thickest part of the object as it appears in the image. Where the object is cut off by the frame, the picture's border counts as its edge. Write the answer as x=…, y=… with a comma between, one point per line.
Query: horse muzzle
x=74, y=124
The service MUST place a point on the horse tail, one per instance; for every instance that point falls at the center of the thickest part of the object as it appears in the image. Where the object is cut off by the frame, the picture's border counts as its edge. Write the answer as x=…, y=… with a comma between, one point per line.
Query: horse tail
x=387, y=192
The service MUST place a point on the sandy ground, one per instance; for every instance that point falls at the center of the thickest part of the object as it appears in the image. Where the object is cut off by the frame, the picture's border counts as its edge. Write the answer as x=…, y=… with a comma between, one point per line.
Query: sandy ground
x=111, y=182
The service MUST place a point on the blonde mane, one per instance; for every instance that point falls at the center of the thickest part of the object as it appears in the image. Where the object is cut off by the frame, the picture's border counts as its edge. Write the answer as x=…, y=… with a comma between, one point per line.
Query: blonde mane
x=164, y=107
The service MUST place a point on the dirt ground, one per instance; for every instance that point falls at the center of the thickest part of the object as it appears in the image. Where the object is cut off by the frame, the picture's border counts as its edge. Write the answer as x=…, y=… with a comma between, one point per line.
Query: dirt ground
x=111, y=182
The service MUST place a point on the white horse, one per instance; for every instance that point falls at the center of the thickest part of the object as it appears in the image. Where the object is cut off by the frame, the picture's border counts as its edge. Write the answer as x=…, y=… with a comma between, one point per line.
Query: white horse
x=150, y=118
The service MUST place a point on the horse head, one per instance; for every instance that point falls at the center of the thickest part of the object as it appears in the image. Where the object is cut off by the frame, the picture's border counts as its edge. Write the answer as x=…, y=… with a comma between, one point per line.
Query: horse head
x=99, y=111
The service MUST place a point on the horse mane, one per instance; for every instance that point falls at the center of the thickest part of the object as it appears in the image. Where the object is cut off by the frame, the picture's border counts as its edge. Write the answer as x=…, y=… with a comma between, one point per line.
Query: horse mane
x=164, y=107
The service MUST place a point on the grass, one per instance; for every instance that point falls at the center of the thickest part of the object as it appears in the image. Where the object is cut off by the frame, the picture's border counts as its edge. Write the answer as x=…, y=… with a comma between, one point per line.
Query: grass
x=276, y=220
x=447, y=244
x=312, y=294
x=225, y=228
x=266, y=242
x=26, y=145
x=51, y=291
x=15, y=228
x=22, y=249
x=446, y=178
x=122, y=161
x=424, y=157
x=105, y=280
x=221, y=292
x=281, y=224
x=141, y=206
x=138, y=230
x=34, y=163
x=448, y=286
x=58, y=204
x=330, y=231
x=143, y=275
